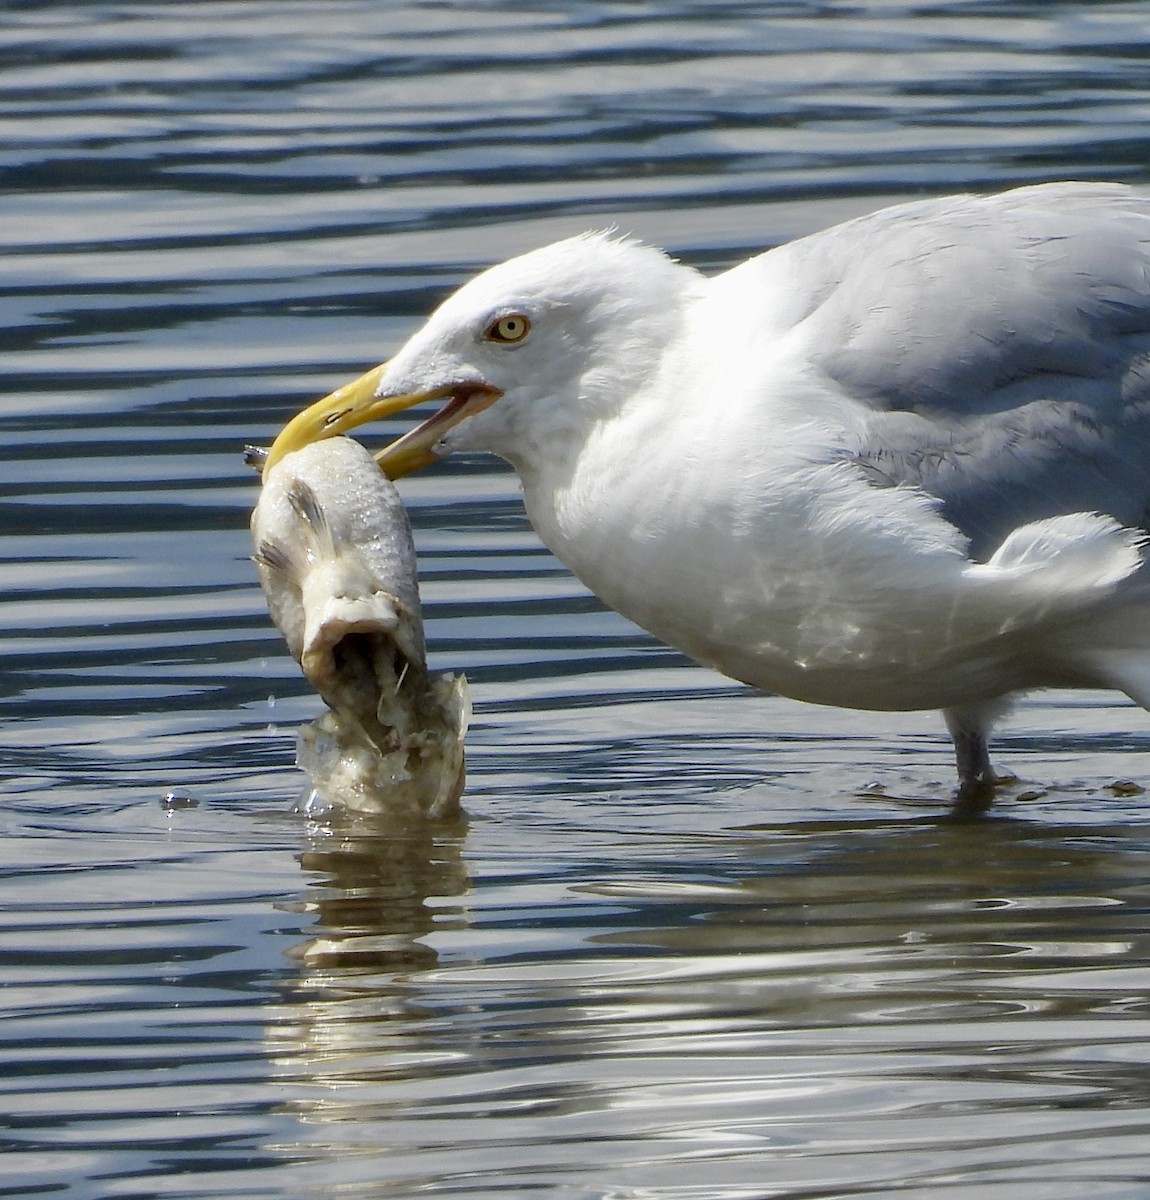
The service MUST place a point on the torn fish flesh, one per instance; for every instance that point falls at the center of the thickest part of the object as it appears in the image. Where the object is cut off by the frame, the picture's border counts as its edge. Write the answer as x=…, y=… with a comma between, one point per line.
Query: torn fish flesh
x=337, y=565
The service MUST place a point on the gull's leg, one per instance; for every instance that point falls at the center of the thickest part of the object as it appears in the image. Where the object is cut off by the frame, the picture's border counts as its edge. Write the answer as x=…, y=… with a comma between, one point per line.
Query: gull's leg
x=969, y=729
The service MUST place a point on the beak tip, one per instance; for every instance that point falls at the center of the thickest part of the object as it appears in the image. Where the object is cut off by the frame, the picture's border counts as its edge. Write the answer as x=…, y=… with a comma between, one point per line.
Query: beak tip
x=336, y=413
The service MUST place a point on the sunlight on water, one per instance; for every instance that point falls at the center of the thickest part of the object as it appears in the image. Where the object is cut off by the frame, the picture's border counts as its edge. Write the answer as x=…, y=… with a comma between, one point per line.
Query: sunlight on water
x=690, y=943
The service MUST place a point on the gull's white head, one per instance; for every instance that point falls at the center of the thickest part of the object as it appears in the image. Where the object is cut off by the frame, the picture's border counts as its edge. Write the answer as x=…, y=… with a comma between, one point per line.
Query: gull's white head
x=529, y=355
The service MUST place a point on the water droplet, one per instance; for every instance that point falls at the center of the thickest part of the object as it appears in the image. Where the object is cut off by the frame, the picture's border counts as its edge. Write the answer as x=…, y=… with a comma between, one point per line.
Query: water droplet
x=312, y=804
x=171, y=801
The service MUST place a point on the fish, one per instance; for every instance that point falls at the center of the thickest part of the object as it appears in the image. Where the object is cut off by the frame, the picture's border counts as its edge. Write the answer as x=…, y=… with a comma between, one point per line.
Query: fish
x=337, y=564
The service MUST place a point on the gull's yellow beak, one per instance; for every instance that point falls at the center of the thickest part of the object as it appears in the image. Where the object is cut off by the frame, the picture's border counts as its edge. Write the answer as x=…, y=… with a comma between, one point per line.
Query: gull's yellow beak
x=356, y=404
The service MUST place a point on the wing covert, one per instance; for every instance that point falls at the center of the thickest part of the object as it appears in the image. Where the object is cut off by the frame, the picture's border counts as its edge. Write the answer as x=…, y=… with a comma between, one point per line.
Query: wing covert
x=997, y=349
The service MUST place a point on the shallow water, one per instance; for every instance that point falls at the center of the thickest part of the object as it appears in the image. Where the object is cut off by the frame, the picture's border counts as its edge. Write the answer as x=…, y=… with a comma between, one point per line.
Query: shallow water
x=692, y=942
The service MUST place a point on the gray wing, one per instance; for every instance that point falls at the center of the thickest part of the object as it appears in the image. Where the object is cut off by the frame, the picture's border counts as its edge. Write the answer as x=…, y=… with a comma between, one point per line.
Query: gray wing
x=998, y=349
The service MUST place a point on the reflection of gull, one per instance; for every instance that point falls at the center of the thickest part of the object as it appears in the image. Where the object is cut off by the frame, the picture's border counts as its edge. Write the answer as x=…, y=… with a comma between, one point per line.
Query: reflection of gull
x=769, y=1024
x=894, y=465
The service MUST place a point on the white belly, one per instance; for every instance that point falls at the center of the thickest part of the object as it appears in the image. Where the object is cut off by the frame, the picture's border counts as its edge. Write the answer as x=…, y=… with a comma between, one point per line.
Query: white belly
x=816, y=586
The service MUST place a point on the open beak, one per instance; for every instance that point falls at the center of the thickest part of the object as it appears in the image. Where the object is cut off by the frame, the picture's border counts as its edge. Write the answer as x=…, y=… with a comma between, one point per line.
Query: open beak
x=357, y=403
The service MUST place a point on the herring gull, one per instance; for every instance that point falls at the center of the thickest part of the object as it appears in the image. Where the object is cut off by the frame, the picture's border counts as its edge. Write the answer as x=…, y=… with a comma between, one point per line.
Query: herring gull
x=902, y=463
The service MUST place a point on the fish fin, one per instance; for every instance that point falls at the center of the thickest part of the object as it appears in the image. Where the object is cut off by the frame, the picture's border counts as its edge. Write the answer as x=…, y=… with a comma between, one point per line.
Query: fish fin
x=309, y=510
x=275, y=558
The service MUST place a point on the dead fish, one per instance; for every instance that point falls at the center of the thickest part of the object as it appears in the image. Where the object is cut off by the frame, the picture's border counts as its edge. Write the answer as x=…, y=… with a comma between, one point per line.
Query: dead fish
x=337, y=566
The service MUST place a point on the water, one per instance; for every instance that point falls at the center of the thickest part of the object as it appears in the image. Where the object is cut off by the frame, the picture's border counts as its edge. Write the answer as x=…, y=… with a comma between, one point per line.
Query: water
x=682, y=948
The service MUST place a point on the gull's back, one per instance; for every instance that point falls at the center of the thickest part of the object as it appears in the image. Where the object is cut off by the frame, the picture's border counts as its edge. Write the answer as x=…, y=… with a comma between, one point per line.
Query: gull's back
x=996, y=349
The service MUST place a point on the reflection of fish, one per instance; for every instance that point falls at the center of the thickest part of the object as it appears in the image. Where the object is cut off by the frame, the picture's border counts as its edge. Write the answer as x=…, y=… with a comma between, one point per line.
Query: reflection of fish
x=337, y=566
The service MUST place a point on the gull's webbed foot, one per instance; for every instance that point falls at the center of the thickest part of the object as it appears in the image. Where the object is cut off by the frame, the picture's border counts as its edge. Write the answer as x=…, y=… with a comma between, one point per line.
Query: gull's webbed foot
x=975, y=795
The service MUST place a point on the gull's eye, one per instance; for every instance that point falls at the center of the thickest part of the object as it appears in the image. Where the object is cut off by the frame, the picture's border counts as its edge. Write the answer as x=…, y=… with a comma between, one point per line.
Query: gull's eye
x=508, y=329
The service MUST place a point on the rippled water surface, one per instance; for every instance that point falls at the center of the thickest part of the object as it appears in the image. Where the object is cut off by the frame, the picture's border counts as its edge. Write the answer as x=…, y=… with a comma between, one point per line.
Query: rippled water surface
x=692, y=942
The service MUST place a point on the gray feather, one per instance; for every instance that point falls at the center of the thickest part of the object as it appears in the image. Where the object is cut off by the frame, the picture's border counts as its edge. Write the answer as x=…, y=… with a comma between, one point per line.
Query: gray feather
x=998, y=347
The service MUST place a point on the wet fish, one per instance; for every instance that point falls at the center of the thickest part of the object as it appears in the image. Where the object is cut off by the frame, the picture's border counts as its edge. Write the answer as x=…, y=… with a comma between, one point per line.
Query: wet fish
x=337, y=565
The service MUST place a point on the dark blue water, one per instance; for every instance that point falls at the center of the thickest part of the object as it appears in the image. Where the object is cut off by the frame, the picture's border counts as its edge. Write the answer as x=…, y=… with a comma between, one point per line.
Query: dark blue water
x=692, y=943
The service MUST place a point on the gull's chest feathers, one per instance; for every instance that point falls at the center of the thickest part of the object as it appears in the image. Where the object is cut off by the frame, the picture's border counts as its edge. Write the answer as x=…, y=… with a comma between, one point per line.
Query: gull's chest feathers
x=781, y=576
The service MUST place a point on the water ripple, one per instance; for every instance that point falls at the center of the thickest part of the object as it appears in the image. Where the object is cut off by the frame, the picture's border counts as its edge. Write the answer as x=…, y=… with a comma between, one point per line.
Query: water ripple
x=690, y=942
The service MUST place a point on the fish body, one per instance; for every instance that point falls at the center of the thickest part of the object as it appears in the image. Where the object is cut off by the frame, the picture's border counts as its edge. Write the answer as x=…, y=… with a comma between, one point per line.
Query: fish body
x=337, y=565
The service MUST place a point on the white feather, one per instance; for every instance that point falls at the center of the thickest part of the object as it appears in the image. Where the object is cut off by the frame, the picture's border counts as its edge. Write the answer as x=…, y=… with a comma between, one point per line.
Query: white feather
x=795, y=472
